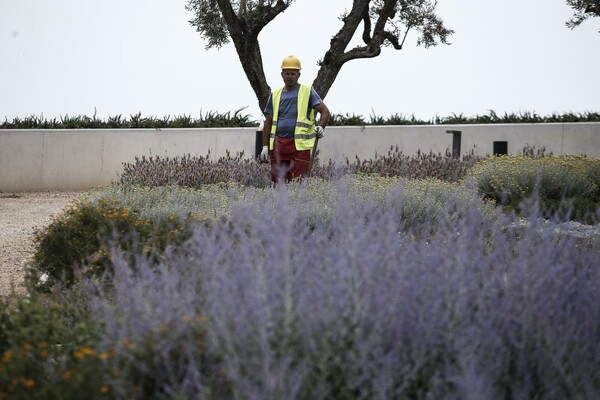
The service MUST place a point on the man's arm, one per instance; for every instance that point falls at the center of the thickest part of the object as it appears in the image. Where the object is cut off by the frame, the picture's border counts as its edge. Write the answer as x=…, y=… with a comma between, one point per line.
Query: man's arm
x=266, y=133
x=324, y=114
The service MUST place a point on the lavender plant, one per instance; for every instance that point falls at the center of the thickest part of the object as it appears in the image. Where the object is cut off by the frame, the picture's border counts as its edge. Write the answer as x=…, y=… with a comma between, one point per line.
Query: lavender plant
x=188, y=171
x=194, y=172
x=420, y=166
x=360, y=308
x=316, y=199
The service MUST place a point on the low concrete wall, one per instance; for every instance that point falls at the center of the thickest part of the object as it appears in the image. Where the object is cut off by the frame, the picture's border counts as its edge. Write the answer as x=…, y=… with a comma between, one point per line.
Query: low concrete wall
x=558, y=138
x=41, y=160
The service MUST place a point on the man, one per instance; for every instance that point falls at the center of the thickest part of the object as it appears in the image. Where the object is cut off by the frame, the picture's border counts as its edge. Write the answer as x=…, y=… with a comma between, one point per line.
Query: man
x=289, y=131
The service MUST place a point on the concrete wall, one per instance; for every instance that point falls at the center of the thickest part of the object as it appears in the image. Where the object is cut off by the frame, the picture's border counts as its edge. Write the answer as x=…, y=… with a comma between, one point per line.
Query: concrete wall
x=40, y=160
x=558, y=138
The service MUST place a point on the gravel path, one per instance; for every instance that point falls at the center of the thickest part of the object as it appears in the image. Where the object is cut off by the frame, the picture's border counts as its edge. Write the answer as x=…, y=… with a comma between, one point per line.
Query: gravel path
x=21, y=215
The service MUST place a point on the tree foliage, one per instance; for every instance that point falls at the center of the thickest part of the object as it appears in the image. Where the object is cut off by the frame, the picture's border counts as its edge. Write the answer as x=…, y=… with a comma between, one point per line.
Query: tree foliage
x=583, y=10
x=381, y=23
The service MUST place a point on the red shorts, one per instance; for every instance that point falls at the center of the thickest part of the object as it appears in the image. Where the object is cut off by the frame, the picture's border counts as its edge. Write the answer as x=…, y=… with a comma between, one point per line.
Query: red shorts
x=287, y=163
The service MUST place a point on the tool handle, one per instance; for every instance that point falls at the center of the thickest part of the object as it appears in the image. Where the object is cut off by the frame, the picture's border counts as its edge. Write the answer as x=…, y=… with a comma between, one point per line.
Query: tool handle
x=312, y=156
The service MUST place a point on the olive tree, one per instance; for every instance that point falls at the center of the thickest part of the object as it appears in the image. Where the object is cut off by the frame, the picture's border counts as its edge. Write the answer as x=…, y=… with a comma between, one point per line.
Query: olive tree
x=382, y=23
x=582, y=10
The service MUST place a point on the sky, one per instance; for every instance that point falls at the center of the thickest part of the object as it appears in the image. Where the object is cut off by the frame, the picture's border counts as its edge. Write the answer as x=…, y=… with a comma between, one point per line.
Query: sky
x=123, y=57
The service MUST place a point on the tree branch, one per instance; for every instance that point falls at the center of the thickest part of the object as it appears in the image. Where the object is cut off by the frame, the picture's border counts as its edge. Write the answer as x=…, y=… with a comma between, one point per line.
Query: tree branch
x=263, y=15
x=387, y=12
x=383, y=23
x=374, y=43
x=341, y=40
x=366, y=36
x=394, y=40
x=244, y=31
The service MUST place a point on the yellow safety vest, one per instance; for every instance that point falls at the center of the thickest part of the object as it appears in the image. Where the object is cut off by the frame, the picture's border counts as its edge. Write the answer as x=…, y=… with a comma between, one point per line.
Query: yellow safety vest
x=304, y=133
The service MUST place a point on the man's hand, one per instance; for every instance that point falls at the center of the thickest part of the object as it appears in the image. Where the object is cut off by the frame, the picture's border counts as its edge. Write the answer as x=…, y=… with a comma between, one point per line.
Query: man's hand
x=319, y=132
x=264, y=154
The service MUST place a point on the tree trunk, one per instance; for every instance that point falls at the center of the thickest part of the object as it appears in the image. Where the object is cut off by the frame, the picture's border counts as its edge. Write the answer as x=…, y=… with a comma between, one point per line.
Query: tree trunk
x=244, y=31
x=251, y=60
x=325, y=78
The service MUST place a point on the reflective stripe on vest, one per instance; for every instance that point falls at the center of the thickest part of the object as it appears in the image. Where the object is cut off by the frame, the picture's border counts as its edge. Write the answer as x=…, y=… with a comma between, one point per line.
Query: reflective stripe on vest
x=304, y=132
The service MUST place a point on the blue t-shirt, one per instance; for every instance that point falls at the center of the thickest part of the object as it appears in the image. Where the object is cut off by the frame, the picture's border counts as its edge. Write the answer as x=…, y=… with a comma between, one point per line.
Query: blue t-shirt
x=288, y=110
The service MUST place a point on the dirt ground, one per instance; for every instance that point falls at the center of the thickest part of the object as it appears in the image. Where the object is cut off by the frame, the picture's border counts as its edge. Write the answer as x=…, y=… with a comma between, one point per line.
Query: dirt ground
x=21, y=215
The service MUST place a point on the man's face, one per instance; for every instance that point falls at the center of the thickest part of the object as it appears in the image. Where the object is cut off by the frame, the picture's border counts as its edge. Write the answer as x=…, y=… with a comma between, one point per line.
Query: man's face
x=290, y=77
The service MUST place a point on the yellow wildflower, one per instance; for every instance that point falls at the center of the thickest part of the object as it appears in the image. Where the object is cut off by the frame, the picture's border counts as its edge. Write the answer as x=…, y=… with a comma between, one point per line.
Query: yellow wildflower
x=27, y=383
x=7, y=357
x=84, y=351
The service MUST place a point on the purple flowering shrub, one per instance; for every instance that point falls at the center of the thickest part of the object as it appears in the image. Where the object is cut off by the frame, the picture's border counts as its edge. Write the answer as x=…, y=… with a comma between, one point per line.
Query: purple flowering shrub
x=153, y=324
x=267, y=306
x=195, y=172
x=395, y=163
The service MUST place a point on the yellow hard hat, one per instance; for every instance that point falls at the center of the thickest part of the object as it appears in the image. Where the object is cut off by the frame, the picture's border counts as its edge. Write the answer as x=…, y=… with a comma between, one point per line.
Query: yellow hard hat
x=291, y=62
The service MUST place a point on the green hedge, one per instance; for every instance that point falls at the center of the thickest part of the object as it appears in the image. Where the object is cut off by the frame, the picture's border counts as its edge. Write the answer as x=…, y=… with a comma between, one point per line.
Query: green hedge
x=136, y=121
x=237, y=119
x=460, y=119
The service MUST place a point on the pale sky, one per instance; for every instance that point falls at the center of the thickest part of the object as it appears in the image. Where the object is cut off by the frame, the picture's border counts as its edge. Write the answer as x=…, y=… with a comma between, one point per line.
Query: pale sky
x=77, y=57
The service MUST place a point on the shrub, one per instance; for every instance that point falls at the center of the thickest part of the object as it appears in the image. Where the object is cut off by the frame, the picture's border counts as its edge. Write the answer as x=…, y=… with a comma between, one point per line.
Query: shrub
x=50, y=349
x=356, y=308
x=159, y=339
x=214, y=119
x=509, y=180
x=358, y=120
x=321, y=290
x=47, y=348
x=158, y=203
x=210, y=120
x=419, y=166
x=576, y=209
x=194, y=172
x=518, y=118
x=78, y=241
x=421, y=201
